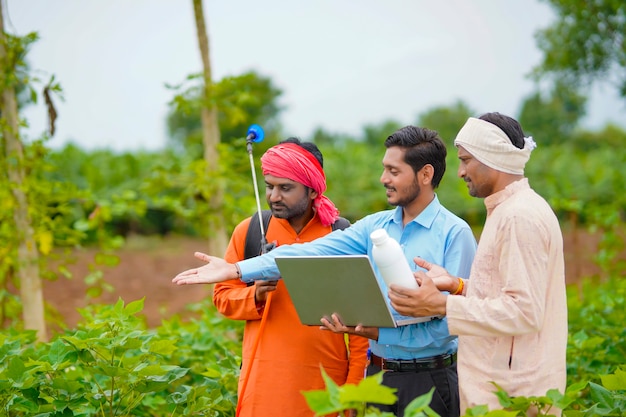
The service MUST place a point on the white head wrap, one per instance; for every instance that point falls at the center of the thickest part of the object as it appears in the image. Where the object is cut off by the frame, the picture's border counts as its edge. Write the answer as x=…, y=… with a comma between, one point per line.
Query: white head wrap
x=491, y=146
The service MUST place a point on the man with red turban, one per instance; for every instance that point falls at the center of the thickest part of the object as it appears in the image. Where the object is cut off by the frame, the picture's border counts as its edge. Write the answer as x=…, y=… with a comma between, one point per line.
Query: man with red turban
x=281, y=357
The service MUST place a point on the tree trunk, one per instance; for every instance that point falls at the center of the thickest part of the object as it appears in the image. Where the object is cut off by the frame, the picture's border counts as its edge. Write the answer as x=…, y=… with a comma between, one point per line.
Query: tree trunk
x=27, y=267
x=210, y=138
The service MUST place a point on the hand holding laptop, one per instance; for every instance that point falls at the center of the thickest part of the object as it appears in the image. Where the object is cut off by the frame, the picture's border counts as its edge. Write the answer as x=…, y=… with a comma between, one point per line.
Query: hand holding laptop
x=334, y=324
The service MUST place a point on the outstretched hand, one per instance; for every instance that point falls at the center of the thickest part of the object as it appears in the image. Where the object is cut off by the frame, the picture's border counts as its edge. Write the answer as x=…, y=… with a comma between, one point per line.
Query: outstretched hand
x=216, y=270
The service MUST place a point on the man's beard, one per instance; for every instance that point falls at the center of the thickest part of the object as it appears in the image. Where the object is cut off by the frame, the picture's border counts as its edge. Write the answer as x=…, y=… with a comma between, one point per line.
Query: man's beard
x=290, y=212
x=412, y=192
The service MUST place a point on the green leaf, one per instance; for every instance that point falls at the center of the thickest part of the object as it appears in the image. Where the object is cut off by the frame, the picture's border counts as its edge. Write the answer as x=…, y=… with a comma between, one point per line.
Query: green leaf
x=601, y=395
x=17, y=403
x=559, y=400
x=86, y=356
x=615, y=381
x=119, y=306
x=576, y=388
x=163, y=347
x=57, y=352
x=162, y=372
x=420, y=404
x=369, y=390
x=134, y=307
x=128, y=343
x=110, y=371
x=33, y=94
x=502, y=413
x=503, y=397
x=478, y=410
x=349, y=396
x=107, y=259
x=212, y=373
x=68, y=386
x=16, y=369
x=324, y=402
x=321, y=402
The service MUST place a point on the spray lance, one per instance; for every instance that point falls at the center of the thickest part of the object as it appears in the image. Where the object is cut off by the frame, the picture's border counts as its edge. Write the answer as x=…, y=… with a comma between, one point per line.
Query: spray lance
x=255, y=135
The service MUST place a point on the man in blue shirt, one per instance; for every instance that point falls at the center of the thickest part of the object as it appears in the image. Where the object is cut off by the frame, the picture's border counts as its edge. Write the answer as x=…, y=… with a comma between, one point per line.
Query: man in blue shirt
x=415, y=357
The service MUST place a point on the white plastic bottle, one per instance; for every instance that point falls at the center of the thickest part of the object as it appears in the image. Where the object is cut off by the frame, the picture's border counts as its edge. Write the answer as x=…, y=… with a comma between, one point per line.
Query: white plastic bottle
x=390, y=260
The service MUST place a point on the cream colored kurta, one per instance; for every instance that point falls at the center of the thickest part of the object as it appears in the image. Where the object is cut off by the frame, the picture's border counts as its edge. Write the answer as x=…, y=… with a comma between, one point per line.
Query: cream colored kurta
x=512, y=322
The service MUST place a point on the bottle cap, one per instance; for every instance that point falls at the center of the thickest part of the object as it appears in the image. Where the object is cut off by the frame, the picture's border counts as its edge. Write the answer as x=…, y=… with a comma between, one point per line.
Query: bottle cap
x=378, y=236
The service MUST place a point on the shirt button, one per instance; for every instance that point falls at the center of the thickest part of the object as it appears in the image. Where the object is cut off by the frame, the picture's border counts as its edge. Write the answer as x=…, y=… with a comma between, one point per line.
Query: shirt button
x=297, y=239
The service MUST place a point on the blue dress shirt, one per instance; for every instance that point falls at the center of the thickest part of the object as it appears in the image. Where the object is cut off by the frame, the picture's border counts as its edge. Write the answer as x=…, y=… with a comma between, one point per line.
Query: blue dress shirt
x=436, y=235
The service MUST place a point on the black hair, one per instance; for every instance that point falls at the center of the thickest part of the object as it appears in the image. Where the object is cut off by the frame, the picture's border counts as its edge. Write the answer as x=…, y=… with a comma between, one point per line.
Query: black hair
x=309, y=146
x=423, y=146
x=508, y=125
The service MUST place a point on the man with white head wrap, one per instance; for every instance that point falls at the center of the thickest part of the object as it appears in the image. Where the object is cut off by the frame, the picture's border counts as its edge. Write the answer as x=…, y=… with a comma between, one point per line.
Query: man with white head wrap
x=511, y=315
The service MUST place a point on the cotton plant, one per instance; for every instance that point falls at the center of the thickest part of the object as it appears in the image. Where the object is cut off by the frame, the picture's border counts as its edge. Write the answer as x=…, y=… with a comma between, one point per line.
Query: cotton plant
x=336, y=399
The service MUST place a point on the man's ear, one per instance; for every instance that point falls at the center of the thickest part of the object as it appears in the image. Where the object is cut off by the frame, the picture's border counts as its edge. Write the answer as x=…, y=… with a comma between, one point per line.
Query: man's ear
x=425, y=175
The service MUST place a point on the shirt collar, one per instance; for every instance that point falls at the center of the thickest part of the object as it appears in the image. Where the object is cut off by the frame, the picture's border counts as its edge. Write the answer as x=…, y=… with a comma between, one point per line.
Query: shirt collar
x=494, y=200
x=425, y=218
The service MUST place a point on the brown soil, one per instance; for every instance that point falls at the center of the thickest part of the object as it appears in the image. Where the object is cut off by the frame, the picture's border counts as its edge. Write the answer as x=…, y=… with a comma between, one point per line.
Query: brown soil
x=147, y=266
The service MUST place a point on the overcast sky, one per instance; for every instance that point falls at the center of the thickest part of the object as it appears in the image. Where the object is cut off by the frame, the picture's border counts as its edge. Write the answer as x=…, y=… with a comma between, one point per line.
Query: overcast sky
x=342, y=64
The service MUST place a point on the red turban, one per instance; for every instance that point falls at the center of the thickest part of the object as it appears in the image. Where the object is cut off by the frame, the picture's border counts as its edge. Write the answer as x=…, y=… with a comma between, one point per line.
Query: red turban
x=288, y=160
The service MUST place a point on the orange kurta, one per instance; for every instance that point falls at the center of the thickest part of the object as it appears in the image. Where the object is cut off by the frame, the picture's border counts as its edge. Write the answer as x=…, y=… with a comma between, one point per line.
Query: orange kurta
x=289, y=354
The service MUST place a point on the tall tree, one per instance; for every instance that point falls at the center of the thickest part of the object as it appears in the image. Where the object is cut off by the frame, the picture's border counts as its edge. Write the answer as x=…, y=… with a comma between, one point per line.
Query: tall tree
x=210, y=137
x=586, y=43
x=240, y=100
x=27, y=267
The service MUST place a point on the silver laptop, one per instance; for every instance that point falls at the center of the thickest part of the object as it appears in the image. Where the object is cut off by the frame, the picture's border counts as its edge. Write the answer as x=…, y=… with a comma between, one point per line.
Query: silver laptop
x=322, y=285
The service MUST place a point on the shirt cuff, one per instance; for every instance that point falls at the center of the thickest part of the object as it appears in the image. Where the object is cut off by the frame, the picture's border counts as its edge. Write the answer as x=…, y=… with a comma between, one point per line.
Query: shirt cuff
x=258, y=268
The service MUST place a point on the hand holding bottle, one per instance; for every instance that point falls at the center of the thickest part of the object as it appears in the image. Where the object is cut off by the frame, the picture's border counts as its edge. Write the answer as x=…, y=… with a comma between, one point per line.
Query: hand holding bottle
x=390, y=260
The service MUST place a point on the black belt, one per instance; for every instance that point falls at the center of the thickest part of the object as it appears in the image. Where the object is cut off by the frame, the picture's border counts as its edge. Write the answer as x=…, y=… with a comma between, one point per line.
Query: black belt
x=414, y=365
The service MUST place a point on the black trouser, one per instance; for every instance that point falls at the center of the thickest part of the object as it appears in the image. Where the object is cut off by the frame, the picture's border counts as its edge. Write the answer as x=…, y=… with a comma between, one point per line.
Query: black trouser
x=411, y=385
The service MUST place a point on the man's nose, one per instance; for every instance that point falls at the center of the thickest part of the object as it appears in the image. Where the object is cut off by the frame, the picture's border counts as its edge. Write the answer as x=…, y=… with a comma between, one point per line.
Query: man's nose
x=275, y=195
